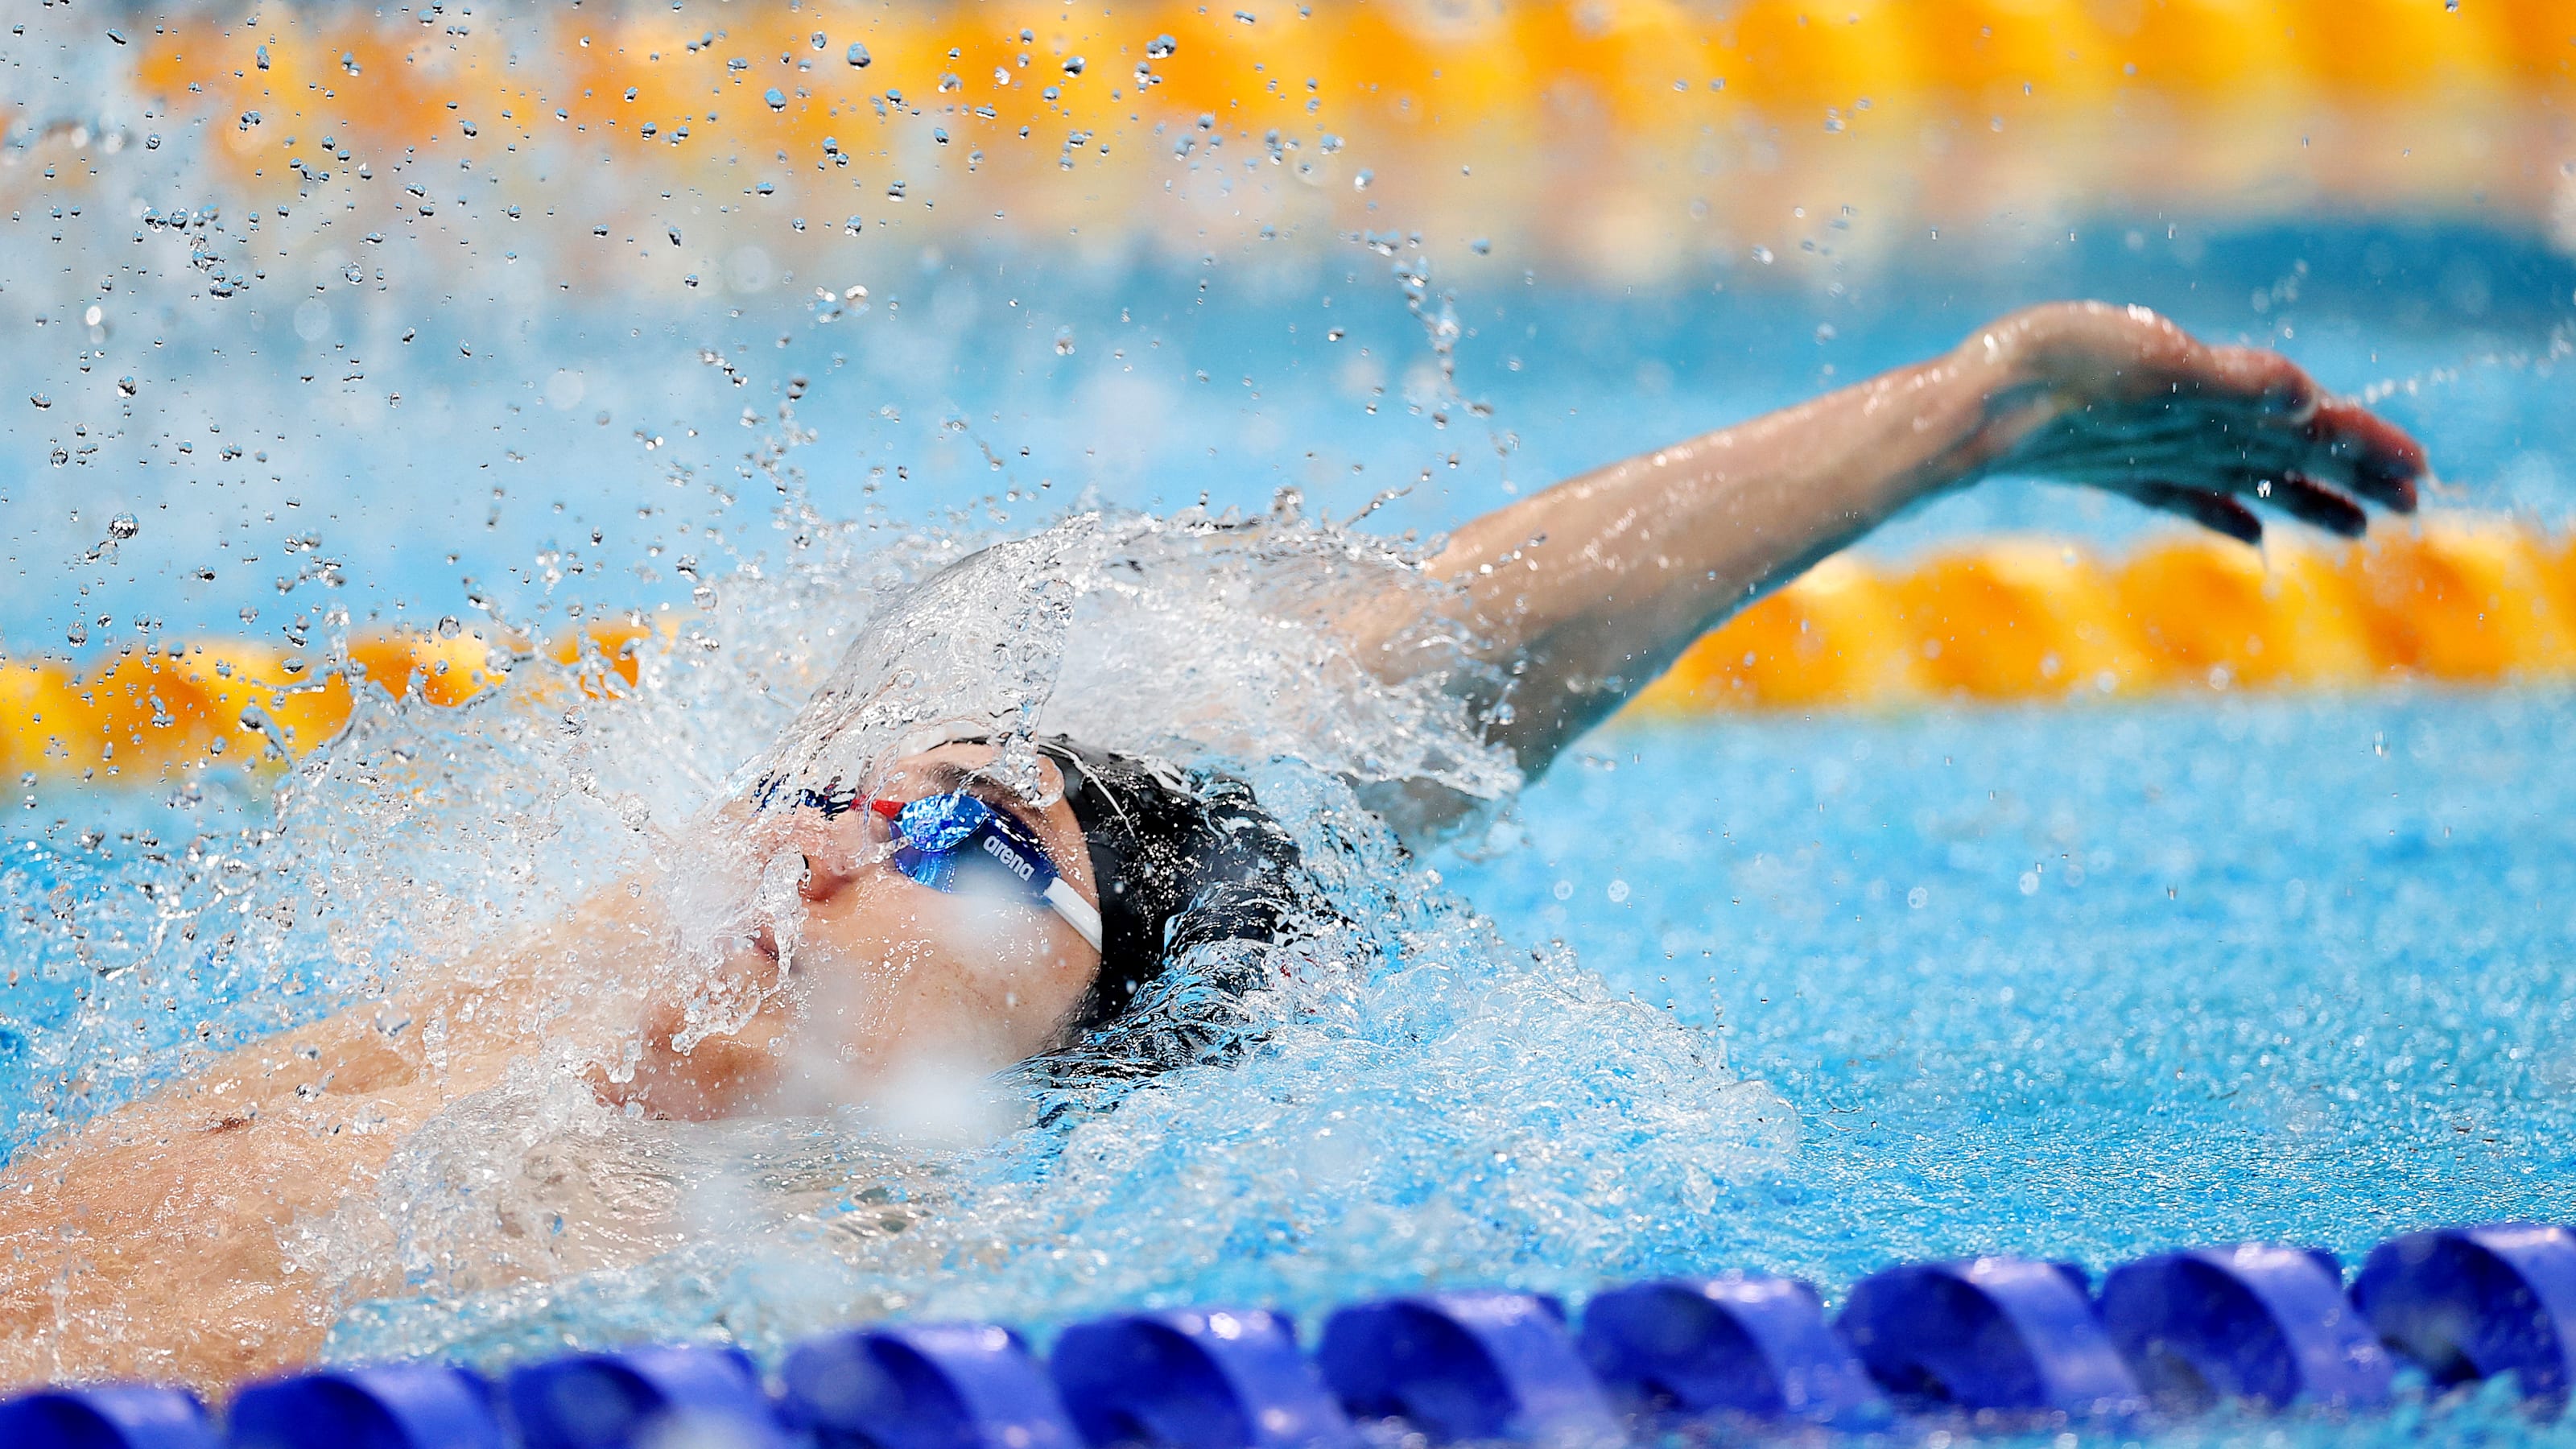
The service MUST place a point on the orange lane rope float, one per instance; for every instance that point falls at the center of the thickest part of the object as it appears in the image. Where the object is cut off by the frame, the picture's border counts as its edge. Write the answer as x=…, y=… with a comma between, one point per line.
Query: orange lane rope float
x=2454, y=601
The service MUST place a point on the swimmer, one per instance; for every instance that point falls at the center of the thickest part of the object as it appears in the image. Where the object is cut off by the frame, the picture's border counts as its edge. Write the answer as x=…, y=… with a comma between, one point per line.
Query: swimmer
x=999, y=901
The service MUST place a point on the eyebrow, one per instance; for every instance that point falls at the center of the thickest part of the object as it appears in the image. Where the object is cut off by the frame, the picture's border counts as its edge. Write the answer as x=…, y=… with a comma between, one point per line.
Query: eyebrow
x=947, y=776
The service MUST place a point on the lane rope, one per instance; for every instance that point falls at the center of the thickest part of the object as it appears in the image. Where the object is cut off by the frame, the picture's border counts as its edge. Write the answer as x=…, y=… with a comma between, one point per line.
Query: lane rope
x=2461, y=602
x=1998, y=1344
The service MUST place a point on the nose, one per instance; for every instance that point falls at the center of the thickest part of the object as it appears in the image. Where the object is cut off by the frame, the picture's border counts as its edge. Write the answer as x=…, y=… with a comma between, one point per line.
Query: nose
x=836, y=849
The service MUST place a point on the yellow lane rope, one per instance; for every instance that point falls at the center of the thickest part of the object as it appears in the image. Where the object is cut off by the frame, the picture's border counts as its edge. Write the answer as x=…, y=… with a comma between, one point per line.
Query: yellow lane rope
x=145, y=713
x=1588, y=124
x=2464, y=602
x=2456, y=601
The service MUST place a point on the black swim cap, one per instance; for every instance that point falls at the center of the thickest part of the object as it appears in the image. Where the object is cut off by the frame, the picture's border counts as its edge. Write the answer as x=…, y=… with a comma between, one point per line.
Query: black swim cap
x=1182, y=859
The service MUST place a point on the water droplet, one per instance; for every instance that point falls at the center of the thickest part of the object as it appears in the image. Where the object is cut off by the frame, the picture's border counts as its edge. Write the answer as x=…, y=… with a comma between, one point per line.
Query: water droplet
x=2029, y=883
x=859, y=55
x=125, y=387
x=1163, y=45
x=1337, y=334
x=123, y=526
x=41, y=400
x=630, y=93
x=1064, y=342
x=819, y=41
x=1916, y=897
x=78, y=633
x=1073, y=65
x=1362, y=180
x=1618, y=892
x=449, y=627
x=777, y=98
x=1563, y=890
x=1762, y=255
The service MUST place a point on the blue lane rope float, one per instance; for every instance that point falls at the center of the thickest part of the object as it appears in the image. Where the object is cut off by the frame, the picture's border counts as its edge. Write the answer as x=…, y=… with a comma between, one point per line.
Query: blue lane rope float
x=650, y=1395
x=2003, y=1341
x=1191, y=1379
x=392, y=1406
x=1466, y=1366
x=2264, y=1324
x=107, y=1416
x=2472, y=1303
x=923, y=1386
x=1999, y=1334
x=1752, y=1346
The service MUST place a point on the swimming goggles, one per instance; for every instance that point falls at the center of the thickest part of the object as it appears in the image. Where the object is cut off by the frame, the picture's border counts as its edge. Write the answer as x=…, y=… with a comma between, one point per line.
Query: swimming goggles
x=949, y=840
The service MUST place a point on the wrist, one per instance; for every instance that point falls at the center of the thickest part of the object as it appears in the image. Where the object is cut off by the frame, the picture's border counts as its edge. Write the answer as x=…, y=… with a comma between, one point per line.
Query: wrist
x=2001, y=389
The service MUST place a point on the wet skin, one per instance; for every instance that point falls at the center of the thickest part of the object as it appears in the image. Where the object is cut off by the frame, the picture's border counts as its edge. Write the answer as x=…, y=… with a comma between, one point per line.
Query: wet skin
x=156, y=1242
x=150, y=1245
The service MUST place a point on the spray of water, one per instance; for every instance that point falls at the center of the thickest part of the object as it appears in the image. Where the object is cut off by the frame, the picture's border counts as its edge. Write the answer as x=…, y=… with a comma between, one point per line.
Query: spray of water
x=1393, y=1095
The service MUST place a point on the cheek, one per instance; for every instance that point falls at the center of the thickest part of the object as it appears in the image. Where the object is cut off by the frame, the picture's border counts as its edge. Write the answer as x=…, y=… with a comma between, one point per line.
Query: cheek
x=887, y=954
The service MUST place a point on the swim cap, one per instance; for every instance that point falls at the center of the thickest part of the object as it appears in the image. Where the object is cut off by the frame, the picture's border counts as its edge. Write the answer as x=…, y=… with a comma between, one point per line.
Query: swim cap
x=1182, y=859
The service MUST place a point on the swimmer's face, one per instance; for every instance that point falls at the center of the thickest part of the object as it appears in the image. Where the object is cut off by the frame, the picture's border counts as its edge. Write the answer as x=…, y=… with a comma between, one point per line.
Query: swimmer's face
x=994, y=971
x=879, y=977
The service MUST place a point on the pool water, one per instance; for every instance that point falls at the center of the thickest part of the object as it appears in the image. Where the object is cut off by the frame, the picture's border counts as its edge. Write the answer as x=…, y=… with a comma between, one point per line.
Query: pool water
x=2091, y=983
x=2079, y=983
x=1799, y=994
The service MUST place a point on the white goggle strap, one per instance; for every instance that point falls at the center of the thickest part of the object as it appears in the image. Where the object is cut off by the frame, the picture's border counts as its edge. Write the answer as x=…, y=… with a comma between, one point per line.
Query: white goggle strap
x=1078, y=912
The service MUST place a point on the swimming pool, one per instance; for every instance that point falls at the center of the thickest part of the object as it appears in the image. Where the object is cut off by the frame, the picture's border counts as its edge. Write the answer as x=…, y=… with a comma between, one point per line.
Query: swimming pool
x=1804, y=994
x=2070, y=983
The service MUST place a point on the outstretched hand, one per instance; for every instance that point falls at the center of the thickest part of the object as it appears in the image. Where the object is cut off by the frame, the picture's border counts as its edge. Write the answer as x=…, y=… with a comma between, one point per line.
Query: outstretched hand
x=2121, y=399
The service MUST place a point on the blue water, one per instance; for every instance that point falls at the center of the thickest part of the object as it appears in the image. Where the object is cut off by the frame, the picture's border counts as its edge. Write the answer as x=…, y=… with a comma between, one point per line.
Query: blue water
x=2089, y=983
x=2080, y=983
x=554, y=452
x=1788, y=993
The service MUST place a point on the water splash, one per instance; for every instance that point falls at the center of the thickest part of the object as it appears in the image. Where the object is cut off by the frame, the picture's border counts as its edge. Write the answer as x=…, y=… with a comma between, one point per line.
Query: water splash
x=1403, y=1098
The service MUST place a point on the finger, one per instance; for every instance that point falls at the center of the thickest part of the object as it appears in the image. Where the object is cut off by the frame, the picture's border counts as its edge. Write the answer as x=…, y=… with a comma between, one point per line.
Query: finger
x=2381, y=462
x=2259, y=375
x=2214, y=511
x=2312, y=502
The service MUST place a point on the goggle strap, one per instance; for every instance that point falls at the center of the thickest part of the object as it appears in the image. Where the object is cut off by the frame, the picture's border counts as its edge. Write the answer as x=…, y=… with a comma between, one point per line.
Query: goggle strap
x=1064, y=899
x=1076, y=911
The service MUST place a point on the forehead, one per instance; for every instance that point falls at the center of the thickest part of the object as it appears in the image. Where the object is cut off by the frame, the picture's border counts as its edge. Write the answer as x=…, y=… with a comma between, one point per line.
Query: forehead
x=951, y=766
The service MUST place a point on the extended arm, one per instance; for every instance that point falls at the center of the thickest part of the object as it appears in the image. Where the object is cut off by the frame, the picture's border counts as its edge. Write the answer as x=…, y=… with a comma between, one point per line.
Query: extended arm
x=159, y=1241
x=1576, y=598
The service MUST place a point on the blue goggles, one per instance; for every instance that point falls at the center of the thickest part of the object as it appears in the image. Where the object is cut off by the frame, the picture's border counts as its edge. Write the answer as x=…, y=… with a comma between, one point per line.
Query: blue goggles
x=948, y=840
